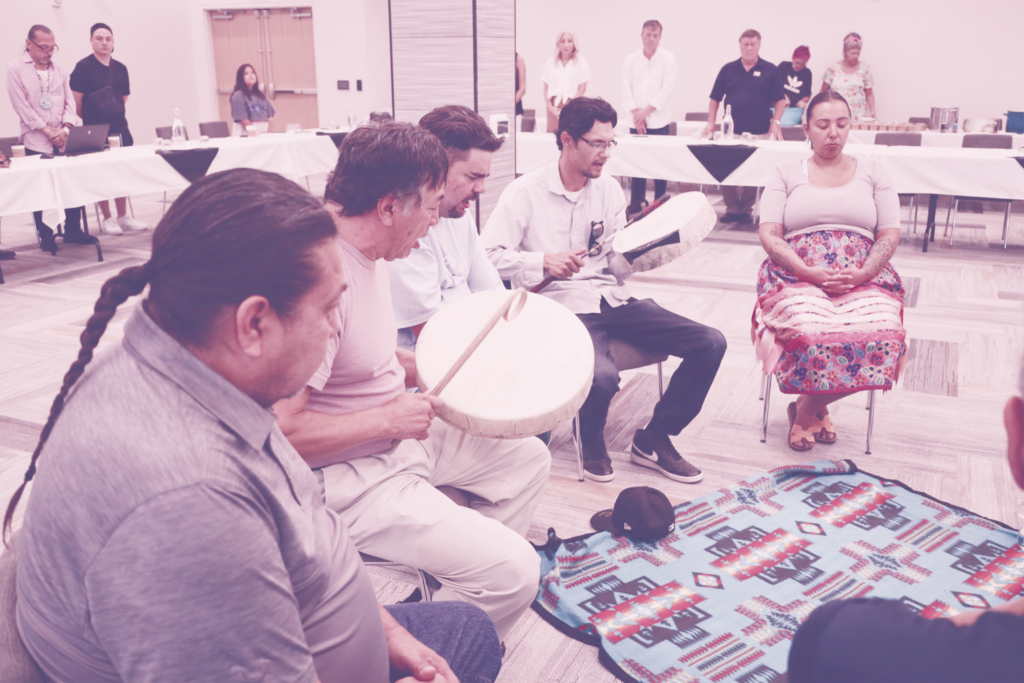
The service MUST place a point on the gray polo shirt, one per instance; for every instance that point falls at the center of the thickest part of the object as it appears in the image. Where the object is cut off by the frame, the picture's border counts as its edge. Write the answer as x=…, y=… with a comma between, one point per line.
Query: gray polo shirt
x=172, y=533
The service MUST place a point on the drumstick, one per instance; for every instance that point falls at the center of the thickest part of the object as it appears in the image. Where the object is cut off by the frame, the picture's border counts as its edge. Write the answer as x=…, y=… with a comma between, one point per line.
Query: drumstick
x=504, y=311
x=647, y=210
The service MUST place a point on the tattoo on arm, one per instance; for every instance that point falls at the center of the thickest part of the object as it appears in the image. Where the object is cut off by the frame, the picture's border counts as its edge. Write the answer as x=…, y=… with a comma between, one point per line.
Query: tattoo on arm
x=780, y=251
x=879, y=255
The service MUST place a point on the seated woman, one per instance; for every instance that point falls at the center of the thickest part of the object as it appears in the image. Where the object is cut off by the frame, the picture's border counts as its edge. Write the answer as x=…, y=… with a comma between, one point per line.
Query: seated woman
x=829, y=316
x=249, y=106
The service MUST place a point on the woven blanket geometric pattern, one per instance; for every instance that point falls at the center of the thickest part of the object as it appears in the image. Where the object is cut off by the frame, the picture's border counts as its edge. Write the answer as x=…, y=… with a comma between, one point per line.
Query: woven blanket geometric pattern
x=720, y=598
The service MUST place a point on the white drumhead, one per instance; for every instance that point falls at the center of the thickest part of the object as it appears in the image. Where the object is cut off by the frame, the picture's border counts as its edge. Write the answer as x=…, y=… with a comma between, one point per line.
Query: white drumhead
x=527, y=376
x=690, y=214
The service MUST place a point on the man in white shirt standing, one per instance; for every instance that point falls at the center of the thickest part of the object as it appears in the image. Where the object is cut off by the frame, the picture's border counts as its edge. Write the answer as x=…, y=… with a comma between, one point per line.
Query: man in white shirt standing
x=450, y=262
x=559, y=220
x=647, y=81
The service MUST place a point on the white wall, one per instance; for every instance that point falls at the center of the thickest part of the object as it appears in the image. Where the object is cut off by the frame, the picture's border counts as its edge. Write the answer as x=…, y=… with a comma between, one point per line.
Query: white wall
x=938, y=53
x=166, y=46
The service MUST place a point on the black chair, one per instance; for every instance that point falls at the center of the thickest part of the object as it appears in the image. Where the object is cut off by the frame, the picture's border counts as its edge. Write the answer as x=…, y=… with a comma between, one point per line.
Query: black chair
x=529, y=124
x=696, y=116
x=903, y=140
x=214, y=129
x=793, y=133
x=164, y=132
x=982, y=141
x=529, y=113
x=5, y=147
x=921, y=119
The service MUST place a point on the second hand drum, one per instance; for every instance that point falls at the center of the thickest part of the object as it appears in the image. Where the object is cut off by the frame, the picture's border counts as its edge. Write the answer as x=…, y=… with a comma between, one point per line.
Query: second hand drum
x=528, y=375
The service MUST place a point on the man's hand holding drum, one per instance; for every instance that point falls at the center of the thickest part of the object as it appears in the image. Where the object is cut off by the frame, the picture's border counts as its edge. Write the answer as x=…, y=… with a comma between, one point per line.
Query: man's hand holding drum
x=408, y=416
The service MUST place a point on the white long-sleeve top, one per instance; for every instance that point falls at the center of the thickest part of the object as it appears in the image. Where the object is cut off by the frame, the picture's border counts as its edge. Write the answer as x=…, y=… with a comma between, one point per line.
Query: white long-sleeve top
x=649, y=82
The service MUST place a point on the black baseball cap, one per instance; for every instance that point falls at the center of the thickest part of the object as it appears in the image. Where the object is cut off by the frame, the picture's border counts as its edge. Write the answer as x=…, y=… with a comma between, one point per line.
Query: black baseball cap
x=641, y=513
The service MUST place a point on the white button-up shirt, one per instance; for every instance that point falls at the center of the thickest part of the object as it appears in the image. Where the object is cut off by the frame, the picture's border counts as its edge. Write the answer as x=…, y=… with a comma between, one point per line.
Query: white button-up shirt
x=564, y=80
x=536, y=216
x=649, y=82
x=25, y=86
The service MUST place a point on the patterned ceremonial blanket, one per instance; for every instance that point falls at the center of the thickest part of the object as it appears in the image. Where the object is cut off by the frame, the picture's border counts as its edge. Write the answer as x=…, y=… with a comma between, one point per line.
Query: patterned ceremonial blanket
x=720, y=598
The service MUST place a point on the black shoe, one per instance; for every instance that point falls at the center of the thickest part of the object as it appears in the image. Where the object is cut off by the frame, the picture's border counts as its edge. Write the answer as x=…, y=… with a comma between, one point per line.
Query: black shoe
x=47, y=242
x=728, y=218
x=657, y=452
x=6, y=255
x=634, y=210
x=743, y=218
x=598, y=470
x=79, y=238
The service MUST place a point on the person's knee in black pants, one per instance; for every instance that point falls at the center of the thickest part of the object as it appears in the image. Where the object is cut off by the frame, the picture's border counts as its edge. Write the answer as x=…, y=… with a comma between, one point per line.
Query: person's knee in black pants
x=459, y=632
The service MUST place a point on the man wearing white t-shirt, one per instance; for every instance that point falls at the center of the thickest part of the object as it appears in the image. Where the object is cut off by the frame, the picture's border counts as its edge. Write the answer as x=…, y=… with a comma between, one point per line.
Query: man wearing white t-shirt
x=450, y=262
x=648, y=78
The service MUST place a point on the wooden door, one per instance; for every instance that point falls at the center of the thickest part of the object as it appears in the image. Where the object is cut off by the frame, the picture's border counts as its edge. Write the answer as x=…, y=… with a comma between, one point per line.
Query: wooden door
x=279, y=45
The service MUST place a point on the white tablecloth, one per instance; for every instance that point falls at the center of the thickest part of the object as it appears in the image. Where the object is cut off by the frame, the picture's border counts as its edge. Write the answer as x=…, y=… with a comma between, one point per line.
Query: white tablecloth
x=52, y=185
x=926, y=170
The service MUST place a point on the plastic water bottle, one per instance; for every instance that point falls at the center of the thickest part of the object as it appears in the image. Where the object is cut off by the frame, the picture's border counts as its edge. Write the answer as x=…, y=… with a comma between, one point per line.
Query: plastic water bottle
x=177, y=130
x=727, y=127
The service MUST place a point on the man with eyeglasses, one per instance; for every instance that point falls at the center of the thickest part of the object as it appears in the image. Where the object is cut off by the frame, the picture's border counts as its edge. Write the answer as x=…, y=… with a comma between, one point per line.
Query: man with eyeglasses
x=41, y=96
x=558, y=221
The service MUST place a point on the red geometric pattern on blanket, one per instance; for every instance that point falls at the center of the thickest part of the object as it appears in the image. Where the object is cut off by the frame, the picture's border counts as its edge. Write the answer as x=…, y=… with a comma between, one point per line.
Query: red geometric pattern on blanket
x=642, y=673
x=838, y=586
x=695, y=520
x=577, y=570
x=754, y=496
x=758, y=556
x=893, y=560
x=954, y=518
x=772, y=622
x=937, y=609
x=659, y=555
x=722, y=657
x=627, y=618
x=1003, y=576
x=928, y=536
x=853, y=505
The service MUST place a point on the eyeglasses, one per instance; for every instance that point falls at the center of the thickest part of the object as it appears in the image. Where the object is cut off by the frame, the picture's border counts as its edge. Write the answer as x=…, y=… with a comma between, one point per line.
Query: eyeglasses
x=596, y=230
x=600, y=145
x=45, y=50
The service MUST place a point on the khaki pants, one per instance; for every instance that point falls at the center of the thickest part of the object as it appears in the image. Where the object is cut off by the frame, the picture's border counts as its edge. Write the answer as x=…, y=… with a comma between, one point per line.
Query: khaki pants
x=478, y=554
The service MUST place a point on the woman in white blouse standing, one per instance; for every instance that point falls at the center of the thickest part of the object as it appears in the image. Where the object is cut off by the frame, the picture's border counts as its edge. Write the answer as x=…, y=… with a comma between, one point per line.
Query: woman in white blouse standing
x=565, y=76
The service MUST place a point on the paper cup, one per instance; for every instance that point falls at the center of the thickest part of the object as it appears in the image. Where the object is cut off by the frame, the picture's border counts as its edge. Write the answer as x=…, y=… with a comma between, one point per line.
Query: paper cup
x=251, y=131
x=17, y=150
x=114, y=141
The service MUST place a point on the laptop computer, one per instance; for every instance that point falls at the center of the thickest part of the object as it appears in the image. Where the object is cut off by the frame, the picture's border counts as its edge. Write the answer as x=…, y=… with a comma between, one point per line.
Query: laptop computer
x=86, y=139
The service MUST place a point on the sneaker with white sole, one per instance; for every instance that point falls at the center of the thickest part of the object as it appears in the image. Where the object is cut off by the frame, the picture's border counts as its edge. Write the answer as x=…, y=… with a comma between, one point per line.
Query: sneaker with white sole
x=110, y=226
x=657, y=452
x=129, y=224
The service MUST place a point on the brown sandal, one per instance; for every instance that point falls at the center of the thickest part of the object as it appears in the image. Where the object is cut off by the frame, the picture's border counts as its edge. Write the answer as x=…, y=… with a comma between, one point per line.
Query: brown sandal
x=804, y=438
x=823, y=430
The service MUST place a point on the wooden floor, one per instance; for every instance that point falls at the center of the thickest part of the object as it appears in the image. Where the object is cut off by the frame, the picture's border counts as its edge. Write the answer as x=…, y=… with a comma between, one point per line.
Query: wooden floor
x=939, y=431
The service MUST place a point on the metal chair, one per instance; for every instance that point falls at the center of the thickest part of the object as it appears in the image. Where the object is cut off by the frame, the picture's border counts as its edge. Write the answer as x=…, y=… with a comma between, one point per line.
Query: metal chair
x=16, y=664
x=626, y=357
x=903, y=140
x=981, y=141
x=793, y=133
x=426, y=581
x=766, y=394
x=214, y=129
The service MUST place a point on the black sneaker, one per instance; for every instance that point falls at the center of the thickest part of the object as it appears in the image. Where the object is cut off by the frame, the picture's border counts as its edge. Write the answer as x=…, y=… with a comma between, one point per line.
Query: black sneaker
x=6, y=255
x=728, y=218
x=657, y=452
x=744, y=218
x=599, y=470
x=79, y=238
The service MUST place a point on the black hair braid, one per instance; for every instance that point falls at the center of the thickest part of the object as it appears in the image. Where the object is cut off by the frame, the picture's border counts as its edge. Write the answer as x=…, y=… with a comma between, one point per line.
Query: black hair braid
x=116, y=291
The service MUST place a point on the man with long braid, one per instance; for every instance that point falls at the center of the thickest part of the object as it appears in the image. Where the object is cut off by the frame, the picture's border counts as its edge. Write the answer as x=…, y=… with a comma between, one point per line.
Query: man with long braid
x=172, y=532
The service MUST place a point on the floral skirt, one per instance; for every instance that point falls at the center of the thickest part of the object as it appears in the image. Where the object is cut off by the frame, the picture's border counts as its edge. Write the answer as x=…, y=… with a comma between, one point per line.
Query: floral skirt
x=816, y=343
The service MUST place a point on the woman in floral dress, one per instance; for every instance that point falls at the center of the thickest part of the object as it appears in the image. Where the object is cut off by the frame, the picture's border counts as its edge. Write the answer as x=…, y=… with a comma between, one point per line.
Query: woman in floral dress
x=829, y=314
x=852, y=79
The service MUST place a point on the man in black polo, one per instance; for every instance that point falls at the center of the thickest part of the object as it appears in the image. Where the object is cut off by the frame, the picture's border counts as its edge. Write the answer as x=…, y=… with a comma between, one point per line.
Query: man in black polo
x=752, y=87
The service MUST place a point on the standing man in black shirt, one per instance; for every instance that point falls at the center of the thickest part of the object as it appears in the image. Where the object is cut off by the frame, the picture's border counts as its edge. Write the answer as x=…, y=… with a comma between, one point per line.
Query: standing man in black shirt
x=752, y=87
x=100, y=86
x=796, y=78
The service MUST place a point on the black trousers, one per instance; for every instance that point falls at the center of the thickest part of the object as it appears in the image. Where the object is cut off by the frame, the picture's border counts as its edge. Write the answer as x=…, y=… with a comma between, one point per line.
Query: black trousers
x=72, y=217
x=638, y=186
x=868, y=639
x=649, y=327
